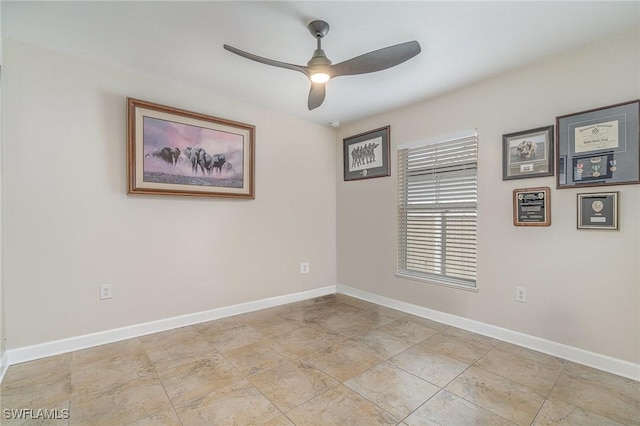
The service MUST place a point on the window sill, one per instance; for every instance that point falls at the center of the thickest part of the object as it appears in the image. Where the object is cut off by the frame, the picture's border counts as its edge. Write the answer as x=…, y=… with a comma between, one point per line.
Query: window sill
x=436, y=281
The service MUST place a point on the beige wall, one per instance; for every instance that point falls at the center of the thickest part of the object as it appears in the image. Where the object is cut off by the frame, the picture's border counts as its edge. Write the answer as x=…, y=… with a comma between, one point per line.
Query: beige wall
x=583, y=286
x=69, y=225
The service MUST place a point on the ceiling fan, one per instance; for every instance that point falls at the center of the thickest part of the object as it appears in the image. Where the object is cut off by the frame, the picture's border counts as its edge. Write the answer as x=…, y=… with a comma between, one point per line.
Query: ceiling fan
x=319, y=69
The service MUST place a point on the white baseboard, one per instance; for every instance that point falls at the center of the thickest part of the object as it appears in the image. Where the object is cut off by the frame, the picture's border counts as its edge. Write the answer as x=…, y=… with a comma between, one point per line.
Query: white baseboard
x=580, y=356
x=42, y=350
x=601, y=362
x=4, y=364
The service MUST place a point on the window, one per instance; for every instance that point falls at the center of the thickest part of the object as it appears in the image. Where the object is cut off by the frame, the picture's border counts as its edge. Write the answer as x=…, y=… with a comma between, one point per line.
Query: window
x=437, y=210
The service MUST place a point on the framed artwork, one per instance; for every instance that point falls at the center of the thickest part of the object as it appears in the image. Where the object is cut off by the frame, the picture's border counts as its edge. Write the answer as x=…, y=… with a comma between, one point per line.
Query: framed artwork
x=528, y=153
x=367, y=155
x=599, y=146
x=598, y=210
x=532, y=207
x=176, y=152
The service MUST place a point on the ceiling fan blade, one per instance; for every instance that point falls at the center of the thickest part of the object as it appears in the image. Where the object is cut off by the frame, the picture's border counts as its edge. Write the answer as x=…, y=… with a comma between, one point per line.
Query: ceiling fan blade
x=377, y=60
x=316, y=95
x=267, y=61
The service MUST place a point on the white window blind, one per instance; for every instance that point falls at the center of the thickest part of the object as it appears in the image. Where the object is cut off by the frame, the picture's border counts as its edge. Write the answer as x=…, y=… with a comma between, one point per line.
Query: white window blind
x=437, y=211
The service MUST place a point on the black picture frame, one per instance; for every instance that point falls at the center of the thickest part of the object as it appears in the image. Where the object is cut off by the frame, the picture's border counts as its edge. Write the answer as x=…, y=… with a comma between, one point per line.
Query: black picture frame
x=598, y=210
x=599, y=146
x=528, y=153
x=532, y=206
x=366, y=155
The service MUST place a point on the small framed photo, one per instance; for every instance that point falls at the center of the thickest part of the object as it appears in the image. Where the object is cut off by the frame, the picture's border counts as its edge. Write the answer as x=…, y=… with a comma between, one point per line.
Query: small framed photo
x=367, y=155
x=176, y=152
x=532, y=207
x=598, y=210
x=528, y=153
x=600, y=146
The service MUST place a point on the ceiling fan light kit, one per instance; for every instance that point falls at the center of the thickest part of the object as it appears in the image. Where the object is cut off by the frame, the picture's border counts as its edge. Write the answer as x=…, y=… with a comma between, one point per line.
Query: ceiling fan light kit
x=320, y=77
x=320, y=69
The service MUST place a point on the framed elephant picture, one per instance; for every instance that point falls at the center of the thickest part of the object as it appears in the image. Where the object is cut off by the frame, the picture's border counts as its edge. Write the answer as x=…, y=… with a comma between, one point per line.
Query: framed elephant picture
x=176, y=152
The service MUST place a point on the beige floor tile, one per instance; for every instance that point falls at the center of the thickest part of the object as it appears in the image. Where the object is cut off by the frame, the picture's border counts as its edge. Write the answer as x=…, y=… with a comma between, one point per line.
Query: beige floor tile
x=343, y=361
x=122, y=404
x=37, y=417
x=448, y=409
x=305, y=341
x=539, y=376
x=623, y=385
x=457, y=347
x=557, y=412
x=38, y=371
x=429, y=365
x=109, y=366
x=40, y=384
x=605, y=394
x=281, y=420
x=353, y=301
x=476, y=338
x=392, y=389
x=298, y=354
x=40, y=415
x=257, y=357
x=381, y=344
x=292, y=384
x=276, y=325
x=106, y=352
x=186, y=384
x=383, y=311
x=531, y=354
x=52, y=396
x=222, y=324
x=328, y=300
x=374, y=319
x=307, y=314
x=260, y=316
x=427, y=322
x=340, y=406
x=508, y=399
x=239, y=404
x=354, y=323
x=407, y=330
x=164, y=418
x=234, y=337
x=174, y=347
x=347, y=324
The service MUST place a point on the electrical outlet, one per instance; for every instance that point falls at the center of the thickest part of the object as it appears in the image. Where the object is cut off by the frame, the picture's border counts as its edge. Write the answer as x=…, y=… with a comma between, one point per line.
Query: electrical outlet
x=305, y=267
x=521, y=294
x=106, y=291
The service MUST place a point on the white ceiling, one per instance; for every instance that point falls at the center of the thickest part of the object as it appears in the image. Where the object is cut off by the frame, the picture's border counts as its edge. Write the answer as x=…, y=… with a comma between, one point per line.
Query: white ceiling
x=462, y=42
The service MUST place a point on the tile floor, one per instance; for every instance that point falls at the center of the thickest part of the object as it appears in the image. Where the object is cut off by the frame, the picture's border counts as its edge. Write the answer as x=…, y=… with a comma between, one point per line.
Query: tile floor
x=334, y=360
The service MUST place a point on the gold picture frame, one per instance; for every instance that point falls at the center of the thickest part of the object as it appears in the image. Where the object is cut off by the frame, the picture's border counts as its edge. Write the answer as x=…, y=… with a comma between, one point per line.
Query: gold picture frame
x=176, y=152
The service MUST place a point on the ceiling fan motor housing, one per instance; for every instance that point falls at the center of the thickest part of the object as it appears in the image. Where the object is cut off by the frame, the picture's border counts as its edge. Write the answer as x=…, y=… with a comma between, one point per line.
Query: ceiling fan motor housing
x=318, y=29
x=319, y=58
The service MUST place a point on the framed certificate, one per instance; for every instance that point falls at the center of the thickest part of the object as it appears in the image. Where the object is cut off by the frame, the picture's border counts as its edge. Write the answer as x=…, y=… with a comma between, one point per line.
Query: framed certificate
x=598, y=210
x=531, y=207
x=599, y=146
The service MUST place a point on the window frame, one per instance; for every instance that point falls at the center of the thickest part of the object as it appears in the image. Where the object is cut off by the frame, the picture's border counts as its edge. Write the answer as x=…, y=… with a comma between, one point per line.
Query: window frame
x=435, y=278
